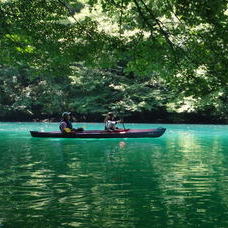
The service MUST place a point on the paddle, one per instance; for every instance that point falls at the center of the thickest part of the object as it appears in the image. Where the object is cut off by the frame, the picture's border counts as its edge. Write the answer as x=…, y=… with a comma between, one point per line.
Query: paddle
x=122, y=121
x=123, y=124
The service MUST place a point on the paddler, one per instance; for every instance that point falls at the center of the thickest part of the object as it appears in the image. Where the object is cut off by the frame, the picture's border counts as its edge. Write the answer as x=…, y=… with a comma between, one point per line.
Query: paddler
x=65, y=125
x=110, y=122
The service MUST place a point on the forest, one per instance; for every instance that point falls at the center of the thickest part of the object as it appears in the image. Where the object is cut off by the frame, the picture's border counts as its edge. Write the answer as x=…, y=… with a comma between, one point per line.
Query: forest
x=146, y=60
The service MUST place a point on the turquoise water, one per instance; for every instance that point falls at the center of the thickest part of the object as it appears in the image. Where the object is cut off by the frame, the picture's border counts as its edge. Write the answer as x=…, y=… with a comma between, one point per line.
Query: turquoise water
x=177, y=180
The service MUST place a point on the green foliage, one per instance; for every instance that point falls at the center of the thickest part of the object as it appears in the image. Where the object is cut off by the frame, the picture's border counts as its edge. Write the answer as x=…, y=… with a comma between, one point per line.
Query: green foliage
x=100, y=91
x=123, y=55
x=20, y=92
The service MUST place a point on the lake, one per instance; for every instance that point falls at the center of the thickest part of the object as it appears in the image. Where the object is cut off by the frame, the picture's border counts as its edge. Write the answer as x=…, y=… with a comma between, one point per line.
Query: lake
x=177, y=180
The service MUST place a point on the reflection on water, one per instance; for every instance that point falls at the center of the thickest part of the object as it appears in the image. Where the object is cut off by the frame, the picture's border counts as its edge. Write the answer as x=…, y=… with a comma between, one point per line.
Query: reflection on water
x=178, y=180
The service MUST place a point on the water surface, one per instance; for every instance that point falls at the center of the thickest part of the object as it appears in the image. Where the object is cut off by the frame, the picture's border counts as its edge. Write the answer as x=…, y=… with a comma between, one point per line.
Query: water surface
x=177, y=180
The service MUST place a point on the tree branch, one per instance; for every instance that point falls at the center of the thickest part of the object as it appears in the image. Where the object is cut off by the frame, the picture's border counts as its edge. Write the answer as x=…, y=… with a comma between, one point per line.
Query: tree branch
x=71, y=13
x=160, y=25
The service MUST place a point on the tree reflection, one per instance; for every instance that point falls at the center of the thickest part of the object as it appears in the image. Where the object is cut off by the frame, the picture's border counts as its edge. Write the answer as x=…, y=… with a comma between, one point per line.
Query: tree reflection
x=172, y=181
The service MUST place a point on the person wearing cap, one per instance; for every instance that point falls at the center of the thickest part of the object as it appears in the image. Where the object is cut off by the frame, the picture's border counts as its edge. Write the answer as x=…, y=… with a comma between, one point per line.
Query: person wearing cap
x=65, y=125
x=110, y=122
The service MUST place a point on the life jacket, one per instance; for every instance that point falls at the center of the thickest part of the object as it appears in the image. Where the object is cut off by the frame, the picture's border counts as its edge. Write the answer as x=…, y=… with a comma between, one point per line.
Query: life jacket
x=67, y=124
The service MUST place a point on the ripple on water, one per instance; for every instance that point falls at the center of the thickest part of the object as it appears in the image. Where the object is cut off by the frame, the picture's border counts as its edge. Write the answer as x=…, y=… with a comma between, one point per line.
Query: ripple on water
x=178, y=180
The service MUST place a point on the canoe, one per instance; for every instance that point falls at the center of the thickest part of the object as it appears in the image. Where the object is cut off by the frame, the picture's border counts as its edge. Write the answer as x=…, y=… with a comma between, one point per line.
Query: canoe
x=120, y=133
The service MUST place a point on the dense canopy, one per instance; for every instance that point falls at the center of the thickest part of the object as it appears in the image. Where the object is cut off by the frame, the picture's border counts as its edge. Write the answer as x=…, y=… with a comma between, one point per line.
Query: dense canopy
x=129, y=56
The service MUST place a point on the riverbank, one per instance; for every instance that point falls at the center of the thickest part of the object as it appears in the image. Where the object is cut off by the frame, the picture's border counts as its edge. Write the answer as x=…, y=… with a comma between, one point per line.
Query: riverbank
x=145, y=117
